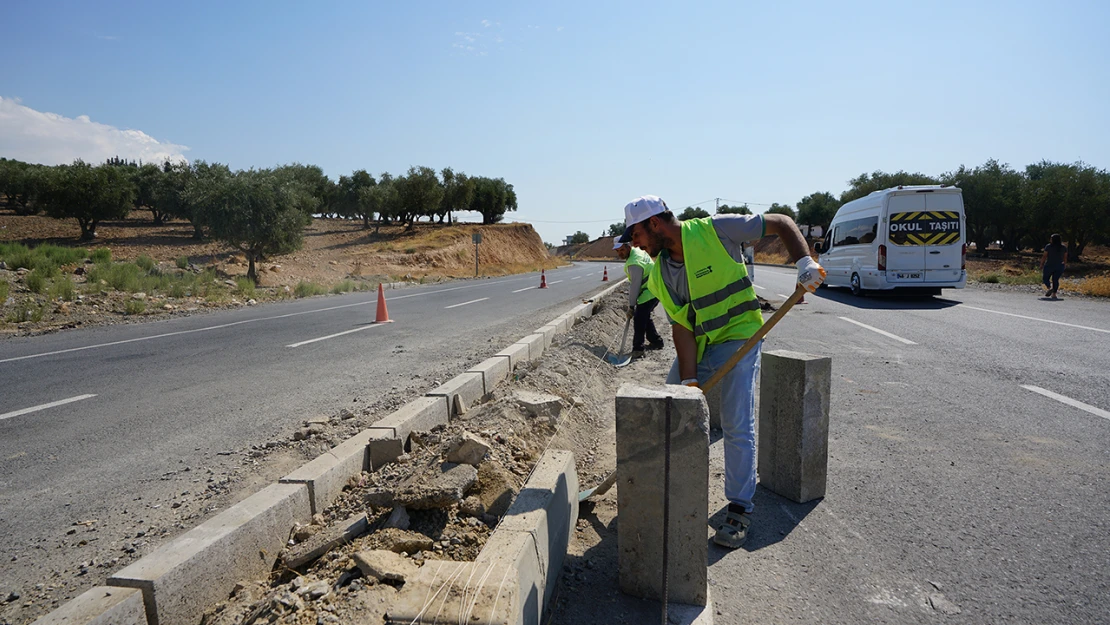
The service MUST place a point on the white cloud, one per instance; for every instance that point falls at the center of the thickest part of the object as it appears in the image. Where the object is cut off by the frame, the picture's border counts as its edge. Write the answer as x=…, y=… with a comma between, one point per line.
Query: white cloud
x=51, y=139
x=487, y=23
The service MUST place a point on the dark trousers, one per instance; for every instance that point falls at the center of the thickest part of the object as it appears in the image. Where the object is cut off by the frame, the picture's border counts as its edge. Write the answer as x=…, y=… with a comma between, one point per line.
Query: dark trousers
x=1053, y=274
x=642, y=324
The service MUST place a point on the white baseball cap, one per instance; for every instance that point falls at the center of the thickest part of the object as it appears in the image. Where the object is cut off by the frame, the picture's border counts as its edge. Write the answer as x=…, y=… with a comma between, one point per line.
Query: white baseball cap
x=617, y=243
x=640, y=209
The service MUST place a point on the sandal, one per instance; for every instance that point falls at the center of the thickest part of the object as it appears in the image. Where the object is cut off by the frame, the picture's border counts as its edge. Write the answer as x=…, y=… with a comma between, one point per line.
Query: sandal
x=735, y=529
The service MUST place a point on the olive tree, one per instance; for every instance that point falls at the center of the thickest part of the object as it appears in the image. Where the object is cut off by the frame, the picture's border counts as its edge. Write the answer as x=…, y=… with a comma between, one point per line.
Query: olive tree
x=259, y=212
x=88, y=194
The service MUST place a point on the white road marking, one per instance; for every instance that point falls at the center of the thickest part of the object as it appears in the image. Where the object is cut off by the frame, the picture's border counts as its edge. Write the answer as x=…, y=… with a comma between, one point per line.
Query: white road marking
x=787, y=297
x=759, y=287
x=591, y=273
x=527, y=288
x=1059, y=323
x=883, y=332
x=332, y=336
x=576, y=277
x=1098, y=412
x=555, y=282
x=465, y=303
x=60, y=402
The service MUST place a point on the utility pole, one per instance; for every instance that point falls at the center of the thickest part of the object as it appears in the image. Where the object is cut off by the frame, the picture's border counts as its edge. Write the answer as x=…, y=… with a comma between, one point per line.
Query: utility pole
x=718, y=209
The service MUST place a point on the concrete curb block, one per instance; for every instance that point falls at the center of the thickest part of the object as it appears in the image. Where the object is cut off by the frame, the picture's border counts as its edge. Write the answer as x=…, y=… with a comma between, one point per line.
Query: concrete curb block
x=494, y=370
x=468, y=387
x=195, y=570
x=517, y=353
x=536, y=344
x=102, y=605
x=547, y=509
x=548, y=332
x=514, y=576
x=327, y=474
x=420, y=414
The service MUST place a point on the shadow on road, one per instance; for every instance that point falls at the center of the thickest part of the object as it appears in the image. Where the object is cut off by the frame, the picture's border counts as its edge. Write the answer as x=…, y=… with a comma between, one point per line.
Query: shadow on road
x=773, y=519
x=876, y=301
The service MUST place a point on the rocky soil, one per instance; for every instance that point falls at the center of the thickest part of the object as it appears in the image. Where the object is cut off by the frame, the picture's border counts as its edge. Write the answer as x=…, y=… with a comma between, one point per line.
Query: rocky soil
x=431, y=505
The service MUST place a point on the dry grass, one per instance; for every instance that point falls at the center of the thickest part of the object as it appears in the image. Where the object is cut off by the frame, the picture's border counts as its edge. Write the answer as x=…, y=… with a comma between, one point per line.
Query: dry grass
x=1098, y=286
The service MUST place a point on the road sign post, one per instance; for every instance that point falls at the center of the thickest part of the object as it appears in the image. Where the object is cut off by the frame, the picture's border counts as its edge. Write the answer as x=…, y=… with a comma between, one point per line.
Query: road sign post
x=477, y=238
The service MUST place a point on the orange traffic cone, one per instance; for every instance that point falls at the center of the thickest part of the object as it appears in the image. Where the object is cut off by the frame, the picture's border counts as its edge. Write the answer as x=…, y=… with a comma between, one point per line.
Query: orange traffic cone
x=605, y=274
x=383, y=314
x=543, y=279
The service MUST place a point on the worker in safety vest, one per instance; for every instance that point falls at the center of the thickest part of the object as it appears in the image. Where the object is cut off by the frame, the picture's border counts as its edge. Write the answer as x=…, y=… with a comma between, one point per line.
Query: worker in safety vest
x=641, y=303
x=700, y=278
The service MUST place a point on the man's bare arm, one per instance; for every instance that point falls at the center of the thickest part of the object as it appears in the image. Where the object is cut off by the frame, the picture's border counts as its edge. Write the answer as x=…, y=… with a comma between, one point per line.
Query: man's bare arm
x=687, y=349
x=787, y=230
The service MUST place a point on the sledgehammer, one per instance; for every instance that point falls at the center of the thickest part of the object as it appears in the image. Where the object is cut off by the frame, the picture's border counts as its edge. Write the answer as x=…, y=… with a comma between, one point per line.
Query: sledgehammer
x=610, y=479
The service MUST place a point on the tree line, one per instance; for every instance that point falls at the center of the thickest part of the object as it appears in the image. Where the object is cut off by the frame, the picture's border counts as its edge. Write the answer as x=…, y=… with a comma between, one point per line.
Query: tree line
x=1020, y=208
x=259, y=211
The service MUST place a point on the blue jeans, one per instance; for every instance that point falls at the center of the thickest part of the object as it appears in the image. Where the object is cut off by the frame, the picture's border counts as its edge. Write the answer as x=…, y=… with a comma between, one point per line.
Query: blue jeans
x=737, y=415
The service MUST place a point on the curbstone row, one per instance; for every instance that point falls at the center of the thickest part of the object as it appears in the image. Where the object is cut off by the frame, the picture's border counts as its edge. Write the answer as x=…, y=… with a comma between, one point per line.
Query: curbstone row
x=175, y=584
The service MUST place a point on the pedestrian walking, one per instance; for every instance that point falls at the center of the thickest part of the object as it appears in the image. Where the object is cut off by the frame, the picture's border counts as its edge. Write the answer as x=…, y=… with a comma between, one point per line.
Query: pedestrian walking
x=1053, y=261
x=700, y=278
x=641, y=303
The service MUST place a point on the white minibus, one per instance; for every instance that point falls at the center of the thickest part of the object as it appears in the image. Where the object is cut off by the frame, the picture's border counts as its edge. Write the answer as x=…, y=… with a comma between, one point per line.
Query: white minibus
x=909, y=238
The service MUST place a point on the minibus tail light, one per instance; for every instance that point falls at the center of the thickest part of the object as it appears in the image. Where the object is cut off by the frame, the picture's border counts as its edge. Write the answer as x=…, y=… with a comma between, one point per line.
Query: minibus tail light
x=882, y=258
x=963, y=257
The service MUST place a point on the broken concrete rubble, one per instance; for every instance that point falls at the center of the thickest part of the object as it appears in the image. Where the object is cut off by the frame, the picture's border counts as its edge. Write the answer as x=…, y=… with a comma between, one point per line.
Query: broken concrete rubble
x=468, y=449
x=437, y=488
x=539, y=404
x=381, y=565
x=403, y=541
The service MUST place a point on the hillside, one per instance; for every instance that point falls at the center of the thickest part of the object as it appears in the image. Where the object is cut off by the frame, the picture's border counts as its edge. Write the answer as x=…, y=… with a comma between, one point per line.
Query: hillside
x=337, y=255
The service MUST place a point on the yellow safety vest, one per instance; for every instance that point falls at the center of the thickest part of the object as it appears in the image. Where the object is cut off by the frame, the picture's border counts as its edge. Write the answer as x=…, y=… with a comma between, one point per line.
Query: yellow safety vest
x=640, y=259
x=722, y=303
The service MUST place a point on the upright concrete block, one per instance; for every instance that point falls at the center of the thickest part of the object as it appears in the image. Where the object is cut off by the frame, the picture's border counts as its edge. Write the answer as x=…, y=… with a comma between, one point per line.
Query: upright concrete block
x=794, y=424
x=517, y=353
x=103, y=605
x=469, y=387
x=494, y=371
x=198, y=568
x=640, y=419
x=713, y=398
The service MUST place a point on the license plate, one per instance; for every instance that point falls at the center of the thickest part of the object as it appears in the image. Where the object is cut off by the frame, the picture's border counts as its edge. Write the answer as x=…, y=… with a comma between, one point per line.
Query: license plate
x=909, y=276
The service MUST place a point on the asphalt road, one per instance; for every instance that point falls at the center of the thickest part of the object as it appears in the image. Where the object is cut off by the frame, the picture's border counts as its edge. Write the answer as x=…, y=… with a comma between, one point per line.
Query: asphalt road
x=969, y=466
x=147, y=399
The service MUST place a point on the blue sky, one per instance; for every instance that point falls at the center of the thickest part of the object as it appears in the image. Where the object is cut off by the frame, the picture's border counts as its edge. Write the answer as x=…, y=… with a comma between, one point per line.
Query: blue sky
x=581, y=106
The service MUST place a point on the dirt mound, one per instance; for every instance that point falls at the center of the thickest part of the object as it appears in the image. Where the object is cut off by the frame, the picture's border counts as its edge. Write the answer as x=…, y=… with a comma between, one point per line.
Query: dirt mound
x=598, y=249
